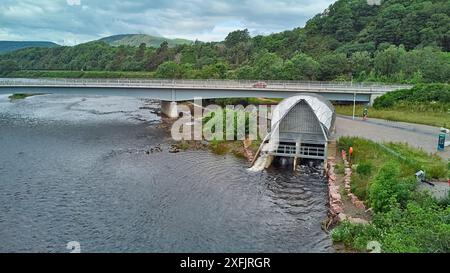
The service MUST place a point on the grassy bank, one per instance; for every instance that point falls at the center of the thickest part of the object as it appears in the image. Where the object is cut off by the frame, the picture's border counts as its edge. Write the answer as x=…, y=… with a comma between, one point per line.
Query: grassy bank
x=424, y=104
x=411, y=115
x=222, y=146
x=21, y=96
x=405, y=220
x=370, y=157
x=80, y=74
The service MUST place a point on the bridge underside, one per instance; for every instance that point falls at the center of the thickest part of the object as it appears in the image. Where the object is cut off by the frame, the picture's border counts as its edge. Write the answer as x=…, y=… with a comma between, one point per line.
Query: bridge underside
x=175, y=95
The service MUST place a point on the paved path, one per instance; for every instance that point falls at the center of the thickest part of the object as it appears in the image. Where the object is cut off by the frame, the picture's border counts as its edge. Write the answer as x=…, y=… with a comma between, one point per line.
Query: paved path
x=422, y=136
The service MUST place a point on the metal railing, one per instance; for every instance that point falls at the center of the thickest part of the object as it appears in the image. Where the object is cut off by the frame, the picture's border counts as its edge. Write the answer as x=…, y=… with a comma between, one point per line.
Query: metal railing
x=203, y=84
x=291, y=150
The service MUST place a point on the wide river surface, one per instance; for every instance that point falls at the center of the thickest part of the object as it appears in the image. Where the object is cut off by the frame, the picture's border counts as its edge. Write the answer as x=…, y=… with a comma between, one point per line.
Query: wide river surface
x=76, y=169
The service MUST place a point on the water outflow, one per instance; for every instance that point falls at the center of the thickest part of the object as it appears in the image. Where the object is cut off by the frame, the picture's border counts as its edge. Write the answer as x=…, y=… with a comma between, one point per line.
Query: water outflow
x=78, y=169
x=261, y=163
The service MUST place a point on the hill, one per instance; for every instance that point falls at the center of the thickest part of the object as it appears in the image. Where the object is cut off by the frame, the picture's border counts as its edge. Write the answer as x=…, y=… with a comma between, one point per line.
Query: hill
x=402, y=41
x=8, y=46
x=137, y=39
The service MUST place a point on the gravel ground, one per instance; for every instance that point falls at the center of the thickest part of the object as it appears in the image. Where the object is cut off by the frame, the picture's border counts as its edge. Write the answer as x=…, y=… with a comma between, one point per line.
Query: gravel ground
x=439, y=190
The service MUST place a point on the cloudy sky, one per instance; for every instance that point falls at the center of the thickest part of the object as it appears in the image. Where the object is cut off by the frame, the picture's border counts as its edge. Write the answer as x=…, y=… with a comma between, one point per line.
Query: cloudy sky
x=71, y=22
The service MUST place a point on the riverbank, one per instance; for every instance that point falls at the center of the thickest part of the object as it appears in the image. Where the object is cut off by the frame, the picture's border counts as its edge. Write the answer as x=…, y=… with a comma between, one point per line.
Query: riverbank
x=22, y=96
x=383, y=179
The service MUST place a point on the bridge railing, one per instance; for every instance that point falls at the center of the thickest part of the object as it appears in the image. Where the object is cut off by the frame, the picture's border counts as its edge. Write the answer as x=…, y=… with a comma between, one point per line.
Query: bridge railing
x=213, y=84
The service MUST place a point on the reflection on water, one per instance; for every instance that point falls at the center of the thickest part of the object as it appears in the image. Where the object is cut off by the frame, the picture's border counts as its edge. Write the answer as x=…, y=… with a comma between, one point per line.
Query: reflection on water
x=76, y=169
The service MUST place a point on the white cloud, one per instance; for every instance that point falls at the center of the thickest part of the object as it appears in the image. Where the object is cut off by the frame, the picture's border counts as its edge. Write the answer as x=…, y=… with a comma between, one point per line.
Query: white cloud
x=208, y=20
x=73, y=2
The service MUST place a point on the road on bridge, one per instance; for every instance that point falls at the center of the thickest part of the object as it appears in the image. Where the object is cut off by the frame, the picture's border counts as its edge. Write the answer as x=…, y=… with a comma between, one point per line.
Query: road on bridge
x=416, y=135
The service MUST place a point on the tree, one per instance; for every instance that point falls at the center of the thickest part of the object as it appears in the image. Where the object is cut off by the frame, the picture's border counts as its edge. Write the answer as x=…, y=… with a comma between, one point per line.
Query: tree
x=237, y=45
x=168, y=70
x=302, y=67
x=7, y=67
x=236, y=37
x=361, y=63
x=390, y=61
x=245, y=72
x=140, y=53
x=268, y=66
x=119, y=59
x=333, y=66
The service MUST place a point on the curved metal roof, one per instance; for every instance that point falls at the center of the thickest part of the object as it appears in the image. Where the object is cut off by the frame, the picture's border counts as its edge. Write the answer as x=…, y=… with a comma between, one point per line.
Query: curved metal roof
x=323, y=109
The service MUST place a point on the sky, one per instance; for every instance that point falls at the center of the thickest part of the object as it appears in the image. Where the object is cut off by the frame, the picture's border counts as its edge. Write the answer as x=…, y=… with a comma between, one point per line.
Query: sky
x=70, y=22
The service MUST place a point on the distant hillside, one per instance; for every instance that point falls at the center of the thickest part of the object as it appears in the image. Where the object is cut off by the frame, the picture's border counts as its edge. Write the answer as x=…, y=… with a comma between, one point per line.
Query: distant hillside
x=137, y=39
x=8, y=46
x=399, y=41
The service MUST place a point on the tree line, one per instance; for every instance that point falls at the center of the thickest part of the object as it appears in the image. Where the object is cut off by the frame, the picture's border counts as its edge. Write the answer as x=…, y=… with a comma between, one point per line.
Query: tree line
x=398, y=41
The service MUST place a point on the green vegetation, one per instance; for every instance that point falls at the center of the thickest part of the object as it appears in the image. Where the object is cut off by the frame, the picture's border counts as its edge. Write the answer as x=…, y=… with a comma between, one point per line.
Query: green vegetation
x=229, y=130
x=405, y=220
x=398, y=41
x=21, y=96
x=424, y=103
x=219, y=143
x=422, y=97
x=138, y=39
x=9, y=46
x=406, y=115
x=81, y=74
x=422, y=226
x=370, y=157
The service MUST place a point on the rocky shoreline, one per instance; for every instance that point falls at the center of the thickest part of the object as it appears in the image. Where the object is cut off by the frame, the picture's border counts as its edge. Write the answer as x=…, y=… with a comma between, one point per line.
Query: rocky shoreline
x=339, y=211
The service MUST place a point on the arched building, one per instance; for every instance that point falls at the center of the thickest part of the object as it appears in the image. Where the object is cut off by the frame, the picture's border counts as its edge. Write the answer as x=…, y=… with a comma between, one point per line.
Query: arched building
x=301, y=128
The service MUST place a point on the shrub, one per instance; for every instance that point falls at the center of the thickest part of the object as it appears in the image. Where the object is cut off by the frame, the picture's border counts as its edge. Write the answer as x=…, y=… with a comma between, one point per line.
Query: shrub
x=422, y=226
x=218, y=147
x=364, y=168
x=429, y=95
x=388, y=189
x=354, y=235
x=436, y=171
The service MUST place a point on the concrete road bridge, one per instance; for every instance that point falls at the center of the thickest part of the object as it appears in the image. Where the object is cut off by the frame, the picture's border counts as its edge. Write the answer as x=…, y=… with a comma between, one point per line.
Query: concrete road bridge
x=172, y=91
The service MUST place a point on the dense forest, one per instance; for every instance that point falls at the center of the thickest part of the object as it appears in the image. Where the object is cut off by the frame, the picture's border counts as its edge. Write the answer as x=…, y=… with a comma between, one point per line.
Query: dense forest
x=397, y=41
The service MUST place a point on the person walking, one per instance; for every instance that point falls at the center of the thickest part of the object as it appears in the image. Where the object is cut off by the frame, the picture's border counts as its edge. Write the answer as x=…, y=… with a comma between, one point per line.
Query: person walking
x=365, y=113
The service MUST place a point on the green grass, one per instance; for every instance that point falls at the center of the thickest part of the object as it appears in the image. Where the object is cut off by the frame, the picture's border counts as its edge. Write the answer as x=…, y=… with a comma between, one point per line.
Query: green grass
x=405, y=220
x=21, y=96
x=433, y=118
x=80, y=74
x=411, y=160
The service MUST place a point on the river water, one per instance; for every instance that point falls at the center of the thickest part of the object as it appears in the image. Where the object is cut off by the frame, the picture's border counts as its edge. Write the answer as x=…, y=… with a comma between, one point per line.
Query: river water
x=76, y=169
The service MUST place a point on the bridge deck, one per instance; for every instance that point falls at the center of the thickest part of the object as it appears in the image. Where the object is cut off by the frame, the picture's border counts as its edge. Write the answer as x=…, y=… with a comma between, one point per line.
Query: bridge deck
x=182, y=90
x=367, y=88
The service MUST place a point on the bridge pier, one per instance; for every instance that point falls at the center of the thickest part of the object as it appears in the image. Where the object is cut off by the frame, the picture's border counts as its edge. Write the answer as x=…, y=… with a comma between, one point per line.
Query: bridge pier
x=373, y=97
x=169, y=108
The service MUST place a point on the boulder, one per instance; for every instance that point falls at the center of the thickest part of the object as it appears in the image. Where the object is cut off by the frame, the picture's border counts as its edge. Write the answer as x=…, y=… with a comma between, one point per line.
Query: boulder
x=342, y=217
x=357, y=221
x=336, y=196
x=360, y=205
x=335, y=208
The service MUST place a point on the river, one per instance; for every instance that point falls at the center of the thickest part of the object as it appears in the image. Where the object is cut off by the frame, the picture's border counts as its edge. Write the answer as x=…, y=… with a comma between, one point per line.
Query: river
x=76, y=169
